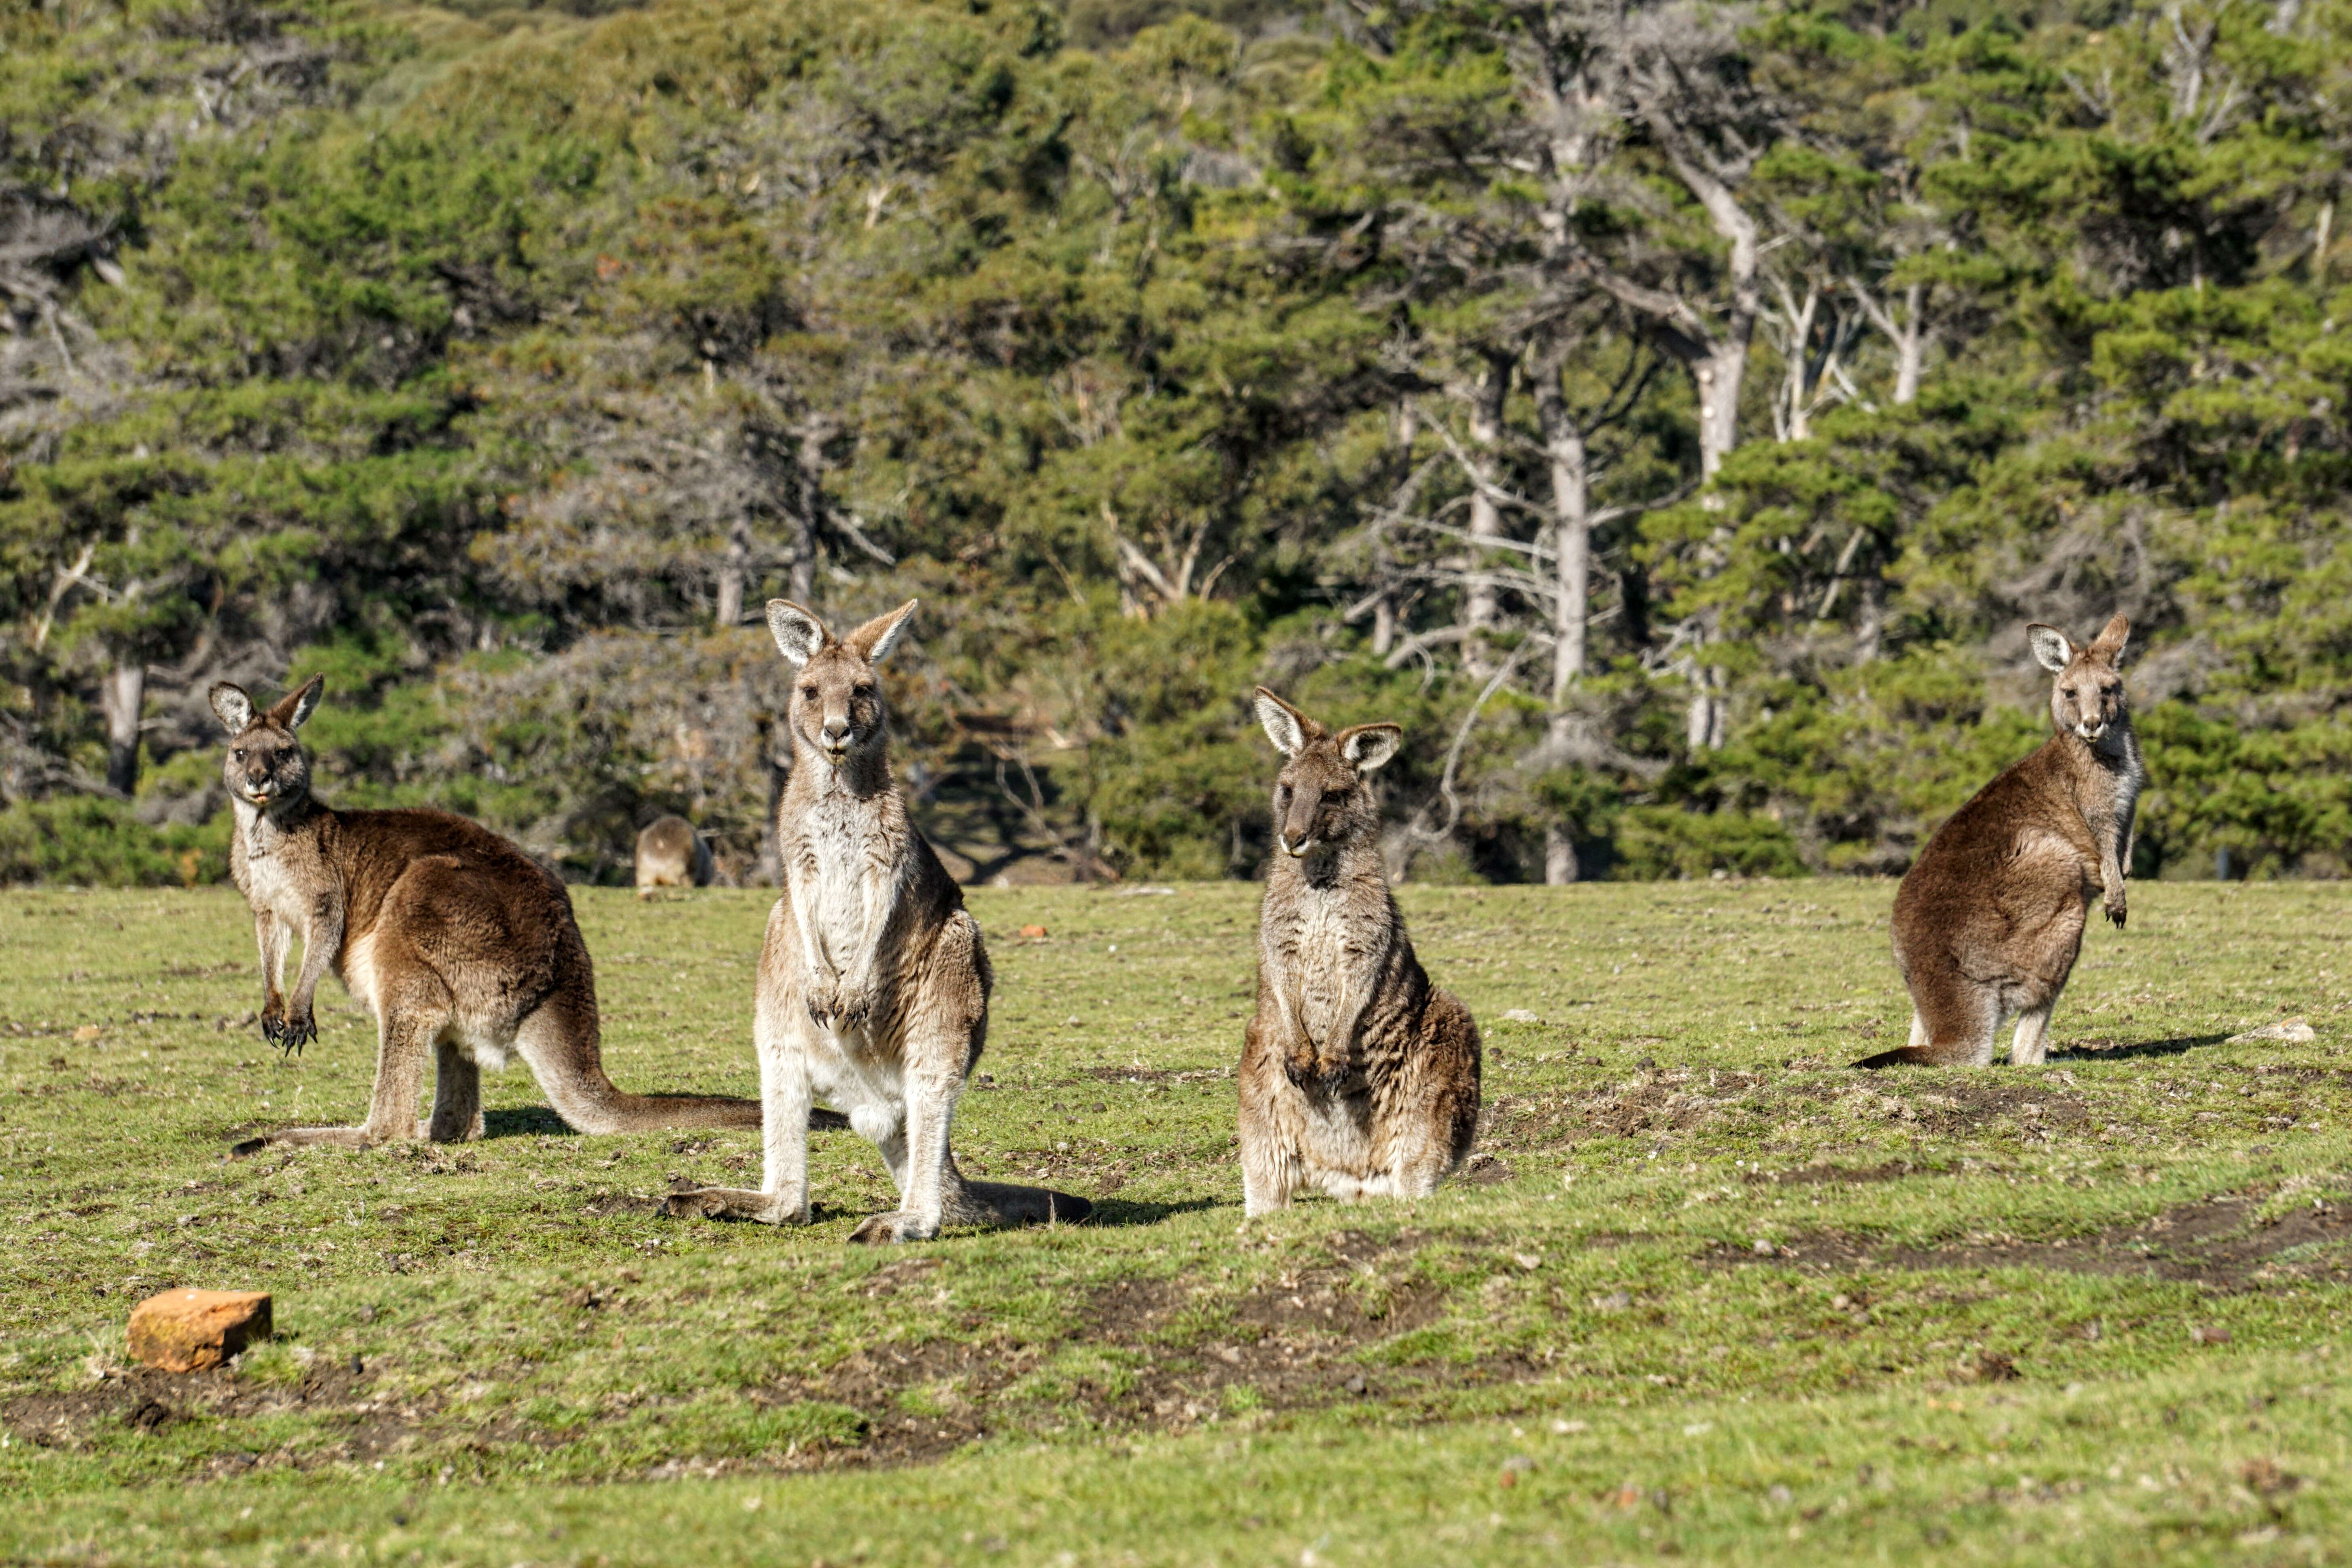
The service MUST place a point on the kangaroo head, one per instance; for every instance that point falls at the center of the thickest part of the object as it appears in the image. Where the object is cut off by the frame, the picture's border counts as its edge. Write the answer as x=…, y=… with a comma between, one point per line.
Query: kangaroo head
x=266, y=766
x=2087, y=699
x=837, y=706
x=1323, y=795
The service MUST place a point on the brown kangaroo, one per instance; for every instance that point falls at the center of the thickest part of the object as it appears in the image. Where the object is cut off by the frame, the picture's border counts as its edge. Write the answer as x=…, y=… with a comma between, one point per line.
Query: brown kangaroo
x=873, y=989
x=1987, y=922
x=671, y=854
x=463, y=947
x=1358, y=1076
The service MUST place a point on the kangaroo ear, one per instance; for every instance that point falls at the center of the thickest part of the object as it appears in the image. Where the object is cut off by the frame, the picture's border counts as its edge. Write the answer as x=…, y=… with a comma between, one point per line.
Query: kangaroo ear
x=234, y=707
x=1285, y=726
x=2051, y=648
x=799, y=634
x=294, y=709
x=1369, y=745
x=2108, y=646
x=873, y=641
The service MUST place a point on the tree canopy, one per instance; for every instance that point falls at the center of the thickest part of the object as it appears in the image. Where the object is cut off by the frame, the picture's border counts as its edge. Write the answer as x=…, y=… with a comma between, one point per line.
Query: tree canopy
x=1671, y=413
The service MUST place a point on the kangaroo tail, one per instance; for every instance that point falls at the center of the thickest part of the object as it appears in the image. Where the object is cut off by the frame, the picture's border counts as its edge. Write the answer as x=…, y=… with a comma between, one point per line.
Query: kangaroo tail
x=997, y=1202
x=617, y=1112
x=560, y=1045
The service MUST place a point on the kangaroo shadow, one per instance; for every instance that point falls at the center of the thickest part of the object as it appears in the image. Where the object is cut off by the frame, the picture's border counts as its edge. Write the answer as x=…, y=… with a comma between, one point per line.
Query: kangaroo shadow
x=1123, y=1212
x=525, y=1121
x=2171, y=1048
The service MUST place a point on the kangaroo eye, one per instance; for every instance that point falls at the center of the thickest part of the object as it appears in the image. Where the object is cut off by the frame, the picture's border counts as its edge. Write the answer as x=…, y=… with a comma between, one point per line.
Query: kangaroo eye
x=238, y=753
x=809, y=693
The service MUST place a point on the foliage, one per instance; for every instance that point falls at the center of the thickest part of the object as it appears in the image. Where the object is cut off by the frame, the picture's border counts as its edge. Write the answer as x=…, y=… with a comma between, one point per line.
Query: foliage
x=500, y=361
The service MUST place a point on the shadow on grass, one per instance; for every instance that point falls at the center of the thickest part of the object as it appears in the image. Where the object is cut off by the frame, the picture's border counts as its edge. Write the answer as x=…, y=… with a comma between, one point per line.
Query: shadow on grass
x=1120, y=1212
x=2171, y=1048
x=527, y=1122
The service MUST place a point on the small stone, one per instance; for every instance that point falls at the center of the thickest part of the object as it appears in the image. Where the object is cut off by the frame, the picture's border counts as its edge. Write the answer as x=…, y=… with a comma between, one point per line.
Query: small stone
x=2209, y=1336
x=1521, y=1015
x=186, y=1330
x=1765, y=1249
x=92, y=1031
x=2291, y=1031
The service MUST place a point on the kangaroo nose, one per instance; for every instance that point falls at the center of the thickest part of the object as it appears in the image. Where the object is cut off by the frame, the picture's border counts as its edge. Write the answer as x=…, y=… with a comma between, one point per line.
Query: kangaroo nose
x=835, y=728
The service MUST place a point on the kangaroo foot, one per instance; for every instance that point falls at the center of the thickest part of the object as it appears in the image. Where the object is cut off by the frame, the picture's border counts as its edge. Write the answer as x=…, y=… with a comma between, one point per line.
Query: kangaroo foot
x=886, y=1229
x=734, y=1202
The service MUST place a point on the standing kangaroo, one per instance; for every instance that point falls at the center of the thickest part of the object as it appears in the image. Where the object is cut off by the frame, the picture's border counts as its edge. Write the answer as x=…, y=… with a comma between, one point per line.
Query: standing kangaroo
x=1987, y=922
x=873, y=987
x=1358, y=1076
x=463, y=946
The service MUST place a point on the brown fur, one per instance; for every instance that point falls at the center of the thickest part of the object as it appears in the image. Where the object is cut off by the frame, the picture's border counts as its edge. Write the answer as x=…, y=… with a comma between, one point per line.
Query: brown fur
x=1358, y=1076
x=671, y=854
x=874, y=983
x=1987, y=922
x=463, y=946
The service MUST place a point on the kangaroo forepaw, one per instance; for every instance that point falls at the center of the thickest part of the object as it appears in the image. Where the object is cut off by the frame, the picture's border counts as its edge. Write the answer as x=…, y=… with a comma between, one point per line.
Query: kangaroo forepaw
x=888, y=1230
x=288, y=1035
x=2116, y=912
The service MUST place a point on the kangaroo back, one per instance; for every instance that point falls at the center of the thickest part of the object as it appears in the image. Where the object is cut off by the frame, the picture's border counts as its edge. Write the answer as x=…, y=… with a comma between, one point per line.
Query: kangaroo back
x=464, y=948
x=1988, y=920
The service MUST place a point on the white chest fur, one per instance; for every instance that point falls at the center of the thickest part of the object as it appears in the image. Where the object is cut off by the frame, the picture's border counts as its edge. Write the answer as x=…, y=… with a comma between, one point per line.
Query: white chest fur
x=269, y=878
x=1329, y=956
x=842, y=878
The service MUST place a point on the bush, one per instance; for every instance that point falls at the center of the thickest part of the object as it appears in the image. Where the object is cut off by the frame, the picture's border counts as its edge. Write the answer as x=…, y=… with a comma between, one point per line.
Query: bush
x=98, y=842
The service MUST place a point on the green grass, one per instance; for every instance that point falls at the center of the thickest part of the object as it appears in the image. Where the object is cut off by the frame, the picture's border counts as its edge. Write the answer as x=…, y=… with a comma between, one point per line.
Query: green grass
x=2090, y=1312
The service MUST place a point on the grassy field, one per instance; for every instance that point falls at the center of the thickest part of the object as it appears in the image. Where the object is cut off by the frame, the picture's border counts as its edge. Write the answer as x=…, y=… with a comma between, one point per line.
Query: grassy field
x=1705, y=1292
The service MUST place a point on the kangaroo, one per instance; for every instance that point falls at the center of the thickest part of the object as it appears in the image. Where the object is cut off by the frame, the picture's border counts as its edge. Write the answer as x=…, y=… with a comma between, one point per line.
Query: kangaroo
x=463, y=947
x=1987, y=922
x=873, y=983
x=671, y=854
x=1358, y=1076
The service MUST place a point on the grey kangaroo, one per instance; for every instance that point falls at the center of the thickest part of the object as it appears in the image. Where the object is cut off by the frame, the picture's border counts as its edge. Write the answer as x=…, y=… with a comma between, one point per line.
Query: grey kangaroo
x=1987, y=922
x=873, y=983
x=1358, y=1076
x=463, y=947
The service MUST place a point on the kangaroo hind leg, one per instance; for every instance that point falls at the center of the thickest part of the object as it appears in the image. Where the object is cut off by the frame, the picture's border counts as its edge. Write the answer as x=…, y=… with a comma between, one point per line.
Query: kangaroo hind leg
x=457, y=1096
x=414, y=1009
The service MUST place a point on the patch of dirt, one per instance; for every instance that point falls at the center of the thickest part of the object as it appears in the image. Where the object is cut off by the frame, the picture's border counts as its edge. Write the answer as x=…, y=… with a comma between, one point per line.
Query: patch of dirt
x=2221, y=1244
x=1291, y=1343
x=1155, y=1075
x=1963, y=1108
x=147, y=1401
x=1831, y=1175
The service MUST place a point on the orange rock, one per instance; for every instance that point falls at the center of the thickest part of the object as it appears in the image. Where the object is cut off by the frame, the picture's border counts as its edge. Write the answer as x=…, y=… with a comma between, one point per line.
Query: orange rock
x=185, y=1331
x=1033, y=931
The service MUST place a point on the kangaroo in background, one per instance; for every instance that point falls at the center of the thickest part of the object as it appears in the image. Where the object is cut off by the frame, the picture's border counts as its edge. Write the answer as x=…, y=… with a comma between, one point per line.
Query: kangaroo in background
x=1358, y=1076
x=1987, y=922
x=463, y=947
x=671, y=854
x=873, y=983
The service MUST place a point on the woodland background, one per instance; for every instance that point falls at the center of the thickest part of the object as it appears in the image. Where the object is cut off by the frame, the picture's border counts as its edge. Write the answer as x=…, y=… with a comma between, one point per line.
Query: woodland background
x=1671, y=413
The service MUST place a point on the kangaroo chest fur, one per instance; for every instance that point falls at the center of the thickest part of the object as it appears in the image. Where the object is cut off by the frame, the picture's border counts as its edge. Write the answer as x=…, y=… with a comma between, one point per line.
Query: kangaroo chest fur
x=270, y=865
x=844, y=867
x=1327, y=949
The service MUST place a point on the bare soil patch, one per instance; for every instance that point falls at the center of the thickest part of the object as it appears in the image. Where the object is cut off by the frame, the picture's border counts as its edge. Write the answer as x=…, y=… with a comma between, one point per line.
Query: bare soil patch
x=2222, y=1244
x=147, y=1401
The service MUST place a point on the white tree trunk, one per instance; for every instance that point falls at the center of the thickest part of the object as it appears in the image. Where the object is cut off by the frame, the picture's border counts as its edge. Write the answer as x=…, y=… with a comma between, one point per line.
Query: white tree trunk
x=123, y=695
x=1482, y=602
